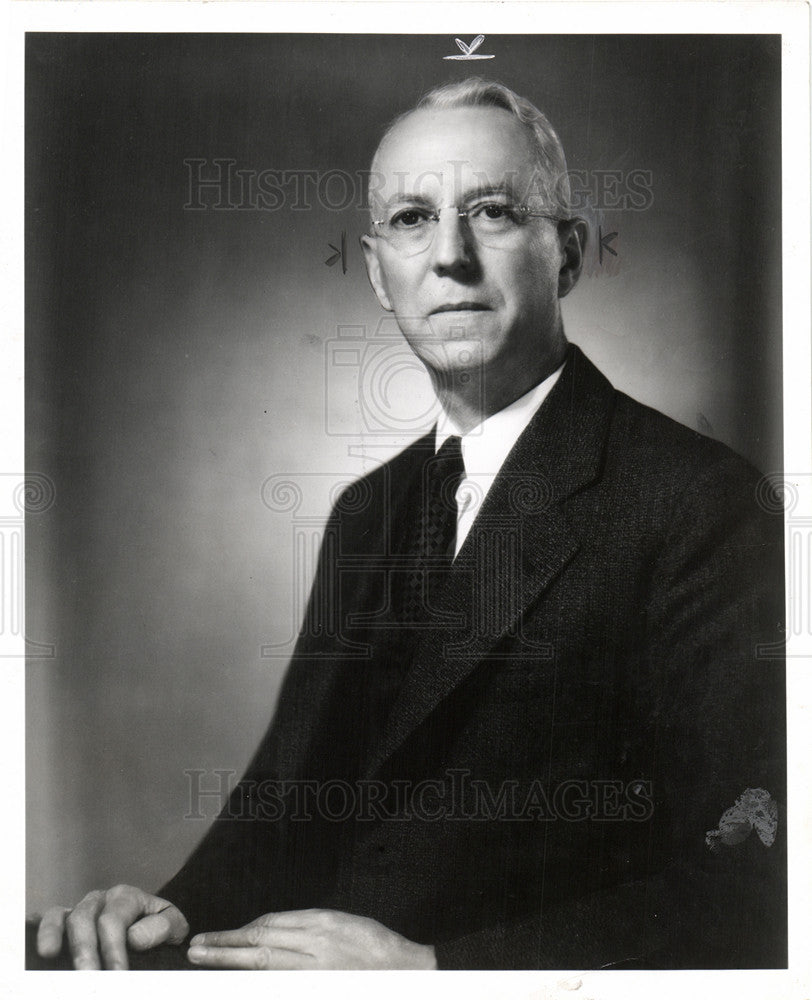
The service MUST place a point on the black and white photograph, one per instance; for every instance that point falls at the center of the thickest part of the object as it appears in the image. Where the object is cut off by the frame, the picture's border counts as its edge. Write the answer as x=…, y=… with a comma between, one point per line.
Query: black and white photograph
x=408, y=524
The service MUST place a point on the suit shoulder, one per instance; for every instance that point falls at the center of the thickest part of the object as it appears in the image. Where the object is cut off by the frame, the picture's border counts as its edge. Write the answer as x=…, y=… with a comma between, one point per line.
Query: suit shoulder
x=653, y=445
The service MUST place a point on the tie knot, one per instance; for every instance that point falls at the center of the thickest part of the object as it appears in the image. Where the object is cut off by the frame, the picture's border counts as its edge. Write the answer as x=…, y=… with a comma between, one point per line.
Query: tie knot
x=447, y=469
x=450, y=453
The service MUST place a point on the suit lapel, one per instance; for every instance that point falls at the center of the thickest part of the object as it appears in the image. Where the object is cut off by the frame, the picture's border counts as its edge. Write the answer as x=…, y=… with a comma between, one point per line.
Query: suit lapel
x=518, y=544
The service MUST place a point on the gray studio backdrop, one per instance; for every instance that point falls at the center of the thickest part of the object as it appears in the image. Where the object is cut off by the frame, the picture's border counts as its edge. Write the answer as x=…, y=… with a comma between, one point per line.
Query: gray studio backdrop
x=199, y=379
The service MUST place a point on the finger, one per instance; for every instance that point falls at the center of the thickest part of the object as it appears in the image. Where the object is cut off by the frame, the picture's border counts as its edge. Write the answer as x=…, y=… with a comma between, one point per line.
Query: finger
x=167, y=926
x=51, y=931
x=178, y=927
x=123, y=906
x=256, y=936
x=119, y=922
x=80, y=924
x=250, y=958
x=290, y=918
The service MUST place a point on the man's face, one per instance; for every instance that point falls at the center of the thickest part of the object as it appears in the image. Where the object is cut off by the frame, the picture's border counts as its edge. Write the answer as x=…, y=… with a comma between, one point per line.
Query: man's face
x=462, y=302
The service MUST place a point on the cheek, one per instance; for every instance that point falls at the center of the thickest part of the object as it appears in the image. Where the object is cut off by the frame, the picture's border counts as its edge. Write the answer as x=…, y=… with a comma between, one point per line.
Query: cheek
x=400, y=280
x=531, y=282
x=543, y=257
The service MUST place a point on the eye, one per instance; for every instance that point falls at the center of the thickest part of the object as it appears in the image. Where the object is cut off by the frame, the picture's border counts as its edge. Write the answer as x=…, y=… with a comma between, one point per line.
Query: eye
x=408, y=218
x=494, y=211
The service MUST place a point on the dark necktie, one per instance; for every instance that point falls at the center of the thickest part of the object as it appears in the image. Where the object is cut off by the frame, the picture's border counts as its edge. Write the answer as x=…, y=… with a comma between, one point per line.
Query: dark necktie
x=433, y=542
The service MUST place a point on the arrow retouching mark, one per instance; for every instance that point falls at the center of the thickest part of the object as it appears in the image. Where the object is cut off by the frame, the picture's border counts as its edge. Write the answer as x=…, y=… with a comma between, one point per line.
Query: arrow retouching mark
x=340, y=254
x=603, y=244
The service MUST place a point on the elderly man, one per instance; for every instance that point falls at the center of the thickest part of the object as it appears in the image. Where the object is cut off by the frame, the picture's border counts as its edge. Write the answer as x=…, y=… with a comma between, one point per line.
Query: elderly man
x=530, y=659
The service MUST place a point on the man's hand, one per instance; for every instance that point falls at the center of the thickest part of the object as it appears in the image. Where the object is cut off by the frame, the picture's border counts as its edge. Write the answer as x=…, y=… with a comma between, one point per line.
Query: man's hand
x=310, y=939
x=104, y=923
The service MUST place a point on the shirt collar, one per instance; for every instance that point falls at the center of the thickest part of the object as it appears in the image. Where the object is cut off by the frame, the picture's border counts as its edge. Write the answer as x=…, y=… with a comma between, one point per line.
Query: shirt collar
x=486, y=446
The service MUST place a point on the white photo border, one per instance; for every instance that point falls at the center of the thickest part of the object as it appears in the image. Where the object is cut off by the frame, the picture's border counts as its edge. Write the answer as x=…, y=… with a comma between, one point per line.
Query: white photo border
x=791, y=21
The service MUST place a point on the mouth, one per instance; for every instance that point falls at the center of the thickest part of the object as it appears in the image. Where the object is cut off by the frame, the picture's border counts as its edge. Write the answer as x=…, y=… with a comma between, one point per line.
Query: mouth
x=460, y=307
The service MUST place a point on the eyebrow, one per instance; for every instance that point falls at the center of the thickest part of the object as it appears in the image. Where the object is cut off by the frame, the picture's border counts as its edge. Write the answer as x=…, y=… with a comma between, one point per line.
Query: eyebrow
x=503, y=187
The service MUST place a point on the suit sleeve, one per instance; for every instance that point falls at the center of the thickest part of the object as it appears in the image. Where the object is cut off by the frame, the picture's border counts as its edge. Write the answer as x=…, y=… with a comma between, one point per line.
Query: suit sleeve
x=227, y=877
x=712, y=889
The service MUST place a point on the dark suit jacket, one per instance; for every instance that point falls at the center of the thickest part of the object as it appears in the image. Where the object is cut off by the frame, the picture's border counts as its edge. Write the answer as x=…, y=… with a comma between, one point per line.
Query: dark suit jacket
x=599, y=685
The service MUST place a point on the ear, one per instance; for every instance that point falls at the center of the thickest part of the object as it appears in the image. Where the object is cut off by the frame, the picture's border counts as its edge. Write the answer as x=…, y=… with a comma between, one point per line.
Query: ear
x=572, y=235
x=374, y=271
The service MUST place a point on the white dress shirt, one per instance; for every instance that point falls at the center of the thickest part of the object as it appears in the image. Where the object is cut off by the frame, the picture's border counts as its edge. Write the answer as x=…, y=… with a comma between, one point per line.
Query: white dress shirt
x=485, y=448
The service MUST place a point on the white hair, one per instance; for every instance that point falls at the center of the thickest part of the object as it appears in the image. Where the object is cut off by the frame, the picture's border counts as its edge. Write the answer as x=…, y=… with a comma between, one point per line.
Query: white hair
x=474, y=92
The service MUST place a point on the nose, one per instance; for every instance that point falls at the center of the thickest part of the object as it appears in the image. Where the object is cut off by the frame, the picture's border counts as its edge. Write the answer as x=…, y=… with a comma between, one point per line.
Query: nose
x=452, y=248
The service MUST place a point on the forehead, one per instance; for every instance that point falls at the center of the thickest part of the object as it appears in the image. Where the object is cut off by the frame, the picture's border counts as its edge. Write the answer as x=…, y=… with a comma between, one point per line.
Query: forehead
x=447, y=153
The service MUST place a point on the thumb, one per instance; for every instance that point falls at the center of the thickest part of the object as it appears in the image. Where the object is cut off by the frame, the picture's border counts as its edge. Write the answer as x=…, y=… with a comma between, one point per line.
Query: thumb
x=169, y=926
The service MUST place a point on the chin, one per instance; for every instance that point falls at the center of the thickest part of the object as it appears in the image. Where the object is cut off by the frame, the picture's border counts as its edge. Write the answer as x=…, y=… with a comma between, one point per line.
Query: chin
x=450, y=356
